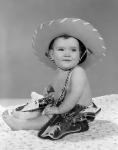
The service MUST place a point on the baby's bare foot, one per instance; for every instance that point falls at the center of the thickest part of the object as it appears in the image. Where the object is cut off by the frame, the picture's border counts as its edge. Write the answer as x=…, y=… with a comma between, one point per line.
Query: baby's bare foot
x=9, y=120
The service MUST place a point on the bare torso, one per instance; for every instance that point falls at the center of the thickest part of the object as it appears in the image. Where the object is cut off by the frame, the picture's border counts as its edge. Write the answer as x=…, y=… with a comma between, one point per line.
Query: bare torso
x=85, y=97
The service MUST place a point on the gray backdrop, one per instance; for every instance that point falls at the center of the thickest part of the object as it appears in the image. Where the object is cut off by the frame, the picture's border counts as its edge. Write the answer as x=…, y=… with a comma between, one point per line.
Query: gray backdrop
x=20, y=70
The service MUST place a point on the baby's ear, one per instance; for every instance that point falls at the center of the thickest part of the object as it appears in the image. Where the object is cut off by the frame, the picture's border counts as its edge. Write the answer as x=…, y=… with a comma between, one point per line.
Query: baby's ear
x=51, y=53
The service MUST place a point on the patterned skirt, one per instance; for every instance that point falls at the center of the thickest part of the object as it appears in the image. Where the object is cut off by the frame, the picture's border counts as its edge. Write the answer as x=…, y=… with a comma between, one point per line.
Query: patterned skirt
x=75, y=121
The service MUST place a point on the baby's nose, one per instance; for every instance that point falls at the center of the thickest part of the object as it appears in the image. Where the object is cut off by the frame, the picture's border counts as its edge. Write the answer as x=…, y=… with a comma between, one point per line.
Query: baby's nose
x=67, y=53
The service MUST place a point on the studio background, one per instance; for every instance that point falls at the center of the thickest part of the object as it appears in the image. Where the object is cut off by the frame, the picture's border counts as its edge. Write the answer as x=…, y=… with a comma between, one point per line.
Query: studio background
x=20, y=70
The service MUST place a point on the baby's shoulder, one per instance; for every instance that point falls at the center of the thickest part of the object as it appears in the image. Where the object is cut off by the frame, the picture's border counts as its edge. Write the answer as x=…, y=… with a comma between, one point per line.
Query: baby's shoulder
x=78, y=75
x=79, y=72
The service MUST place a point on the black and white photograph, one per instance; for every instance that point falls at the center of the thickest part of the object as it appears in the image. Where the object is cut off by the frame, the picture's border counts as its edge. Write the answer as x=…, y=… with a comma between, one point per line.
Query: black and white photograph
x=58, y=74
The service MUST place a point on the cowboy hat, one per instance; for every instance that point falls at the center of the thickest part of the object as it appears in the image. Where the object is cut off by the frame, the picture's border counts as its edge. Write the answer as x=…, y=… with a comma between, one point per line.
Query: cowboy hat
x=75, y=27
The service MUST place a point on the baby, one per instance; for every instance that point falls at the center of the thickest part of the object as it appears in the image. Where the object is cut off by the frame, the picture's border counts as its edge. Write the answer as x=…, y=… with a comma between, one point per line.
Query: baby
x=70, y=93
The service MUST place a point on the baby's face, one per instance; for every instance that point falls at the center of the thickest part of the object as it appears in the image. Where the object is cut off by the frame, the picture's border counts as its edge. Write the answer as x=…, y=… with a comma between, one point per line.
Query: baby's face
x=66, y=52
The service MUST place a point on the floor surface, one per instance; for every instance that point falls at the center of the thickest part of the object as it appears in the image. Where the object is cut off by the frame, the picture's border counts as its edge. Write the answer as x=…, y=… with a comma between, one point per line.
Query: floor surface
x=103, y=132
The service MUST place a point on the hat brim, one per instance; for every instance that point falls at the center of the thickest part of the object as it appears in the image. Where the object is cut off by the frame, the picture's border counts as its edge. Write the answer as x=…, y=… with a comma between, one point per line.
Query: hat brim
x=77, y=28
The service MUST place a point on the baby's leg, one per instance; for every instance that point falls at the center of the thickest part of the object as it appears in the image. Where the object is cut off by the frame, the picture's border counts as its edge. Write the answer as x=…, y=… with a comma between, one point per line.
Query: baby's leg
x=36, y=123
x=26, y=115
x=31, y=124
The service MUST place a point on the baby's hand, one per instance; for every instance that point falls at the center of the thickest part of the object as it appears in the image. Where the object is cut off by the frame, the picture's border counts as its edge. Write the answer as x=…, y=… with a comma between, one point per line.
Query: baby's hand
x=50, y=110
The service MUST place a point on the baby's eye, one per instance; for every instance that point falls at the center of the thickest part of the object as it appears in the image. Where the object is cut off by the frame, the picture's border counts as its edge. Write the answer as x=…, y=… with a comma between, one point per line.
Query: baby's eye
x=74, y=49
x=60, y=49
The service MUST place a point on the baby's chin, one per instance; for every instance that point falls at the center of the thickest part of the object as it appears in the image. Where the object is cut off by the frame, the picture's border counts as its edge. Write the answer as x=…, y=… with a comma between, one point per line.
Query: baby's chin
x=66, y=68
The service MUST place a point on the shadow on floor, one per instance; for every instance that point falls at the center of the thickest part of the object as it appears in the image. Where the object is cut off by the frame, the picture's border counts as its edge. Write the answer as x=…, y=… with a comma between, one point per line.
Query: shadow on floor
x=99, y=129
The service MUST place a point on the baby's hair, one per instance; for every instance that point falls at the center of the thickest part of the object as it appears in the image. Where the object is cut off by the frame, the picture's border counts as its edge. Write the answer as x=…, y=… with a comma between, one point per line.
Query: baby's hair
x=83, y=50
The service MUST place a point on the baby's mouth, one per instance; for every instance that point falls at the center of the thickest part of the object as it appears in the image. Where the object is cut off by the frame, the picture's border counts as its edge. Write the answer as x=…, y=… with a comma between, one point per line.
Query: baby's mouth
x=66, y=60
